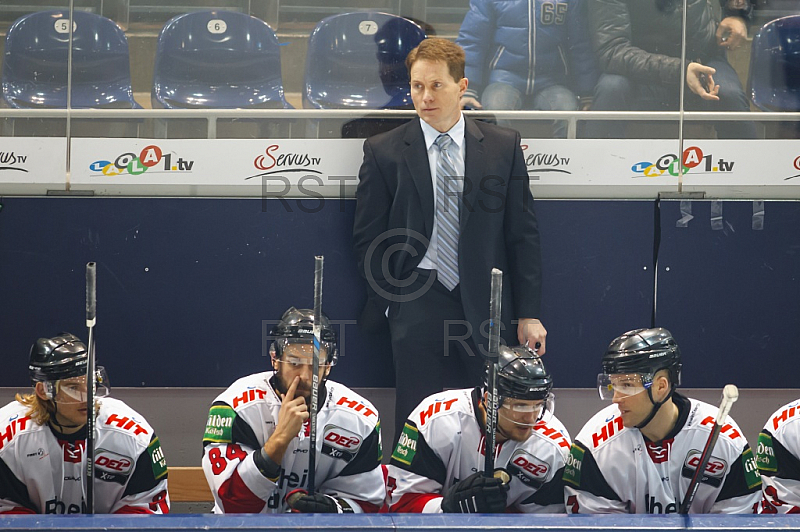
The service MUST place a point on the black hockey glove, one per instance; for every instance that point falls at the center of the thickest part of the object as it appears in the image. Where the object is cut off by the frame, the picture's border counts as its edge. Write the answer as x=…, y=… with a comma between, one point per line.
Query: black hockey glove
x=476, y=494
x=301, y=502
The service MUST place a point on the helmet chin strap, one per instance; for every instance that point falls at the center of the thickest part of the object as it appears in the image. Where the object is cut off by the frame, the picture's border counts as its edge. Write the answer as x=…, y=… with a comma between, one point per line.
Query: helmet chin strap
x=54, y=419
x=656, y=406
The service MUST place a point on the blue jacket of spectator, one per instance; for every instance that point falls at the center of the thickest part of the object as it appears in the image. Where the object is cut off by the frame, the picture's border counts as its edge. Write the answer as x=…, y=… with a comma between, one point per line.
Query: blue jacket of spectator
x=529, y=44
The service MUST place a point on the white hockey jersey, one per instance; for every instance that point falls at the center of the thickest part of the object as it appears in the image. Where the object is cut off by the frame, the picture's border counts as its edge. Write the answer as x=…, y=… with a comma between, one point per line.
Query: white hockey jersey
x=778, y=457
x=443, y=442
x=613, y=469
x=348, y=445
x=42, y=471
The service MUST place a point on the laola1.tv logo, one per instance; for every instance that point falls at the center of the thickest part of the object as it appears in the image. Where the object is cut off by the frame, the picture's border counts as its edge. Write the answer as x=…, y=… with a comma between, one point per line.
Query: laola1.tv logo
x=692, y=159
x=150, y=158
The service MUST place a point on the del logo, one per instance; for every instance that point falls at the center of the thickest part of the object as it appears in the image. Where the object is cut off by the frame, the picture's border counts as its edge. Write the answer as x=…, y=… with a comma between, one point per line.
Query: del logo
x=715, y=470
x=545, y=162
x=111, y=461
x=151, y=158
x=275, y=161
x=693, y=160
x=340, y=443
x=527, y=468
x=11, y=161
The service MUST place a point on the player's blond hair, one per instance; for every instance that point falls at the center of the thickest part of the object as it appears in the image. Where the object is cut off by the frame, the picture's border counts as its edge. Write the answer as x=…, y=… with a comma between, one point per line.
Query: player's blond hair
x=39, y=410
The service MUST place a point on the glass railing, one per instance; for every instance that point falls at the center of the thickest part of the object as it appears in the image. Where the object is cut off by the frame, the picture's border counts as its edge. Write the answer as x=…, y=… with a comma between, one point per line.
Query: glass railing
x=70, y=91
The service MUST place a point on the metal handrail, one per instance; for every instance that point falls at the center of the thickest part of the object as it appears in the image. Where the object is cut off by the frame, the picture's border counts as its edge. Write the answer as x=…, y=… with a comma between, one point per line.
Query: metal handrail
x=387, y=113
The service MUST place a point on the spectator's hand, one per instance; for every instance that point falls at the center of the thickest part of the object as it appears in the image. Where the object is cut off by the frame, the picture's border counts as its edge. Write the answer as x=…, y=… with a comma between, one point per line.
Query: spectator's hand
x=293, y=413
x=731, y=32
x=476, y=494
x=585, y=103
x=700, y=80
x=532, y=331
x=469, y=101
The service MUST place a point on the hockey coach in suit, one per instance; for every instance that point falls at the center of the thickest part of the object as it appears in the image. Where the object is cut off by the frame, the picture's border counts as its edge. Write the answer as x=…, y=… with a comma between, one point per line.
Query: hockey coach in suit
x=442, y=200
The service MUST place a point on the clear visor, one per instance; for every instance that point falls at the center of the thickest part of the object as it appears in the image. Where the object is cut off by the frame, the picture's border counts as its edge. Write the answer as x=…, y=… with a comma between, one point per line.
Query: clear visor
x=301, y=353
x=622, y=384
x=525, y=413
x=73, y=390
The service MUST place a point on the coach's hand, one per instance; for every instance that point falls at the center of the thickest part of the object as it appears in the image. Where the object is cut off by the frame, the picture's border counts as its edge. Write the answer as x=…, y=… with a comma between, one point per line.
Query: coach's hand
x=532, y=331
x=476, y=494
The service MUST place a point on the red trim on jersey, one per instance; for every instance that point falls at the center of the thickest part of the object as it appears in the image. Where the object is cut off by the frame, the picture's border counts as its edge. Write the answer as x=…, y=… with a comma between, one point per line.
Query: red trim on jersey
x=18, y=510
x=133, y=510
x=237, y=498
x=413, y=502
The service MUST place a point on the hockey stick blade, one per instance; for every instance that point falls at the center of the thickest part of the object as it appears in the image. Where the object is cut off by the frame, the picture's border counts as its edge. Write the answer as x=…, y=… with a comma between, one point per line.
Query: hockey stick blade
x=492, y=401
x=729, y=396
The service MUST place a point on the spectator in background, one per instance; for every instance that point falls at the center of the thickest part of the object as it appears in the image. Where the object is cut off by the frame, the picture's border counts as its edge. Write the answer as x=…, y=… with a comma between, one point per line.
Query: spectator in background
x=638, y=44
x=528, y=54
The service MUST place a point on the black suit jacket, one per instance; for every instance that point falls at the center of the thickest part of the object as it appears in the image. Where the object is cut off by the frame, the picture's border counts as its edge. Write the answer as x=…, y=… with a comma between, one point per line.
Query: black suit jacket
x=395, y=213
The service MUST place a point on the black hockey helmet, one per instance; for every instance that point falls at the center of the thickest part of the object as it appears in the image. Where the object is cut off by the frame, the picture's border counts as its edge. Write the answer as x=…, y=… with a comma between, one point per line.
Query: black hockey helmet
x=61, y=357
x=297, y=326
x=644, y=351
x=521, y=374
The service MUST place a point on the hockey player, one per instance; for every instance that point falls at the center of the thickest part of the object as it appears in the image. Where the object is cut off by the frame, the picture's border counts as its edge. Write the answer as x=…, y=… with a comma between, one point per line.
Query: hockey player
x=638, y=454
x=437, y=465
x=255, y=448
x=43, y=443
x=778, y=460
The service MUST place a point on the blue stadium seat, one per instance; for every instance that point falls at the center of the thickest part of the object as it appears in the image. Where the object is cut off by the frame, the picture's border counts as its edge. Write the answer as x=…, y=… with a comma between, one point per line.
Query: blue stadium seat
x=35, y=62
x=774, y=78
x=218, y=59
x=357, y=60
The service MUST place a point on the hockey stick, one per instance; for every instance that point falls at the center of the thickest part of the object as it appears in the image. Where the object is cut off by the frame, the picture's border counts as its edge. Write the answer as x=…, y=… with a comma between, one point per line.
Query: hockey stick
x=729, y=396
x=491, y=368
x=312, y=451
x=91, y=318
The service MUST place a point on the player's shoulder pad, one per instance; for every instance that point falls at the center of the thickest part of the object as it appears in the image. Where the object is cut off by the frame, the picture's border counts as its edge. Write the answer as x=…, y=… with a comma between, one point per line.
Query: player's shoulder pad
x=450, y=405
x=14, y=421
x=702, y=416
x=602, y=428
x=784, y=417
x=114, y=415
x=551, y=430
x=246, y=391
x=341, y=400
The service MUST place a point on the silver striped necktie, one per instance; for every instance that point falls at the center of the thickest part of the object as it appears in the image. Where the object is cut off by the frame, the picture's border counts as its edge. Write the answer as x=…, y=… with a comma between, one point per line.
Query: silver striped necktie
x=448, y=192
